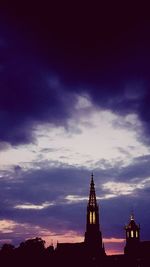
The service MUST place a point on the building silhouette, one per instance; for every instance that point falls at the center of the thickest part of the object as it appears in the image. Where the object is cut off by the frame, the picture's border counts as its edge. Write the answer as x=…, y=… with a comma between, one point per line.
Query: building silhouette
x=89, y=253
x=93, y=235
x=132, y=237
x=135, y=248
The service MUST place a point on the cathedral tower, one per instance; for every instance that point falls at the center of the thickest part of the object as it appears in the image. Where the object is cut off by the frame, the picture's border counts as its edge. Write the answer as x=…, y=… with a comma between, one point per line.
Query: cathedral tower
x=132, y=237
x=93, y=236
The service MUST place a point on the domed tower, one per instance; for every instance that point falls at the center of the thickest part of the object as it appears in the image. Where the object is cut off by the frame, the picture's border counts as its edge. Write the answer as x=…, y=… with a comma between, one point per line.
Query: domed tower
x=132, y=237
x=93, y=236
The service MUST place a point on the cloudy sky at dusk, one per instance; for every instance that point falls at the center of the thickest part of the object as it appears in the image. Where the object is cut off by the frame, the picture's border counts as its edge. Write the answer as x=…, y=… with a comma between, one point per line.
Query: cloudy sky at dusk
x=74, y=98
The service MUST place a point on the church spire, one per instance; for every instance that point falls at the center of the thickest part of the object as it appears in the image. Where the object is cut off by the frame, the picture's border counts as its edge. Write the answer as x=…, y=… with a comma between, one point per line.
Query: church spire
x=92, y=196
x=93, y=237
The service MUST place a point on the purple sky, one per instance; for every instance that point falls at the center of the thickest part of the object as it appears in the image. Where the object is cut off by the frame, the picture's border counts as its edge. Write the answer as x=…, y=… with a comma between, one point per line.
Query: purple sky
x=74, y=98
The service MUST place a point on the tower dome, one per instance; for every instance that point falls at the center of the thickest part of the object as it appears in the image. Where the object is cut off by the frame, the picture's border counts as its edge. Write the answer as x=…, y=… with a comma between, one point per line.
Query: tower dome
x=132, y=236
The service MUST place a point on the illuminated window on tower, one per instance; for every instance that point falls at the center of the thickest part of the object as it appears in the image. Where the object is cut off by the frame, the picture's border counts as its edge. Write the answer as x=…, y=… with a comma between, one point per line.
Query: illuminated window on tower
x=136, y=233
x=132, y=235
x=90, y=217
x=94, y=217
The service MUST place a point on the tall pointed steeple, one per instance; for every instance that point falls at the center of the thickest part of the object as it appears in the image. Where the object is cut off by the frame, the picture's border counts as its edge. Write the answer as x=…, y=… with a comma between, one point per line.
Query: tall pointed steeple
x=92, y=196
x=93, y=236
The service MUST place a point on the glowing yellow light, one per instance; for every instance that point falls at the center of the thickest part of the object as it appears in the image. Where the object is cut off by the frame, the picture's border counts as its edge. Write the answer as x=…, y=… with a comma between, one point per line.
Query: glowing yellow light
x=90, y=217
x=132, y=234
x=94, y=217
x=136, y=233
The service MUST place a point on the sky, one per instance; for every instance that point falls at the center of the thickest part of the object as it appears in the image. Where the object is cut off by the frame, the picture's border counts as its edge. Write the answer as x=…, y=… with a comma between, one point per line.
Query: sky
x=74, y=99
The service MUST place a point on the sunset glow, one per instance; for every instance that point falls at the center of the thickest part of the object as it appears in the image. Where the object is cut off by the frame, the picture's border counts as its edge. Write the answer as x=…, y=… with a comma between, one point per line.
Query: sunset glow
x=74, y=101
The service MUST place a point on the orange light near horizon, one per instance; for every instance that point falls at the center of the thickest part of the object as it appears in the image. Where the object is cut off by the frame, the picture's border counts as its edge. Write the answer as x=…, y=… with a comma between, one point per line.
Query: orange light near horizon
x=69, y=237
x=113, y=240
x=73, y=237
x=114, y=252
x=112, y=245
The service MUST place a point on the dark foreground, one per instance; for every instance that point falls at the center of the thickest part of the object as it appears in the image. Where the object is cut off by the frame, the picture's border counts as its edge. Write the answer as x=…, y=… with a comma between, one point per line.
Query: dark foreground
x=33, y=253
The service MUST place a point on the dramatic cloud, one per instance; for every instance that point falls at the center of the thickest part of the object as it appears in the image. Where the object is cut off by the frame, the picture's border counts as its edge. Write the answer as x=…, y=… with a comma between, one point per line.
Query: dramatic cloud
x=46, y=64
x=74, y=98
x=54, y=197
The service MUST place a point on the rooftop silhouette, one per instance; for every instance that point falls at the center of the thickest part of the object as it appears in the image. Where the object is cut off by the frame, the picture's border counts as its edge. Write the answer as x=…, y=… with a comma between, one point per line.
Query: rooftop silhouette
x=90, y=252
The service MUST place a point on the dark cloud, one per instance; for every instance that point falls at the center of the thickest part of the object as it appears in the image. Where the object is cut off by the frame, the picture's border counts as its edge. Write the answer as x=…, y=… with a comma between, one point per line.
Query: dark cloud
x=28, y=99
x=50, y=54
x=136, y=171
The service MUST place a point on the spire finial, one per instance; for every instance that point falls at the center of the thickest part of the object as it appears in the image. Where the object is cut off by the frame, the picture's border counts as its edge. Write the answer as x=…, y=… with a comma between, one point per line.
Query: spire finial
x=92, y=179
x=132, y=215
